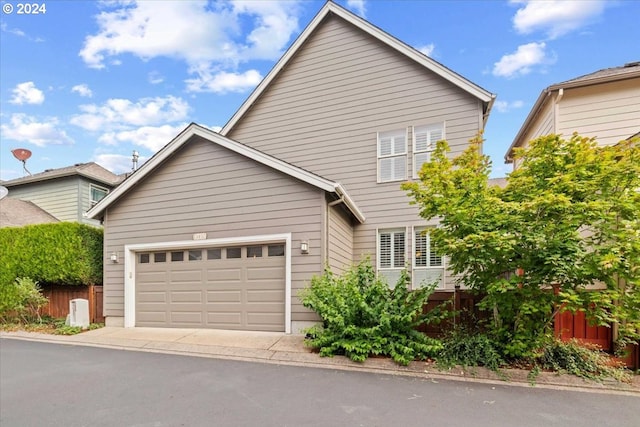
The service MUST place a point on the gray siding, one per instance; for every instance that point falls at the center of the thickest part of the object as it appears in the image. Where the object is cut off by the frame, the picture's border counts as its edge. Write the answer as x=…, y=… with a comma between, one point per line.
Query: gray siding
x=205, y=188
x=324, y=109
x=59, y=197
x=340, y=239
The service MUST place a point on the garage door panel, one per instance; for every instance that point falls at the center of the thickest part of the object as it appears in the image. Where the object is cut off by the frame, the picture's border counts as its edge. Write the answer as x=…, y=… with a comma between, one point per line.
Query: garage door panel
x=265, y=319
x=149, y=316
x=187, y=277
x=186, y=296
x=228, y=319
x=154, y=277
x=237, y=293
x=265, y=273
x=145, y=297
x=276, y=296
x=224, y=296
x=186, y=317
x=224, y=275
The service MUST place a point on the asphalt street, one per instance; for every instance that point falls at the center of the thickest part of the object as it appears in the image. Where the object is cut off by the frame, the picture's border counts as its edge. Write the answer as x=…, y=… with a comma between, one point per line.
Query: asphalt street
x=44, y=384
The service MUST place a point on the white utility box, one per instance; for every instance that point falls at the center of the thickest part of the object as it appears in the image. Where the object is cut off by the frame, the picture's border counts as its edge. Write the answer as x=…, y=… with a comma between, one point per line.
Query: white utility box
x=79, y=313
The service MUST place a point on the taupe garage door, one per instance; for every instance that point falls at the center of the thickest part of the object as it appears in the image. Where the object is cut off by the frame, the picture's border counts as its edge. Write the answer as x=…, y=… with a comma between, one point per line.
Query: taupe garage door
x=236, y=287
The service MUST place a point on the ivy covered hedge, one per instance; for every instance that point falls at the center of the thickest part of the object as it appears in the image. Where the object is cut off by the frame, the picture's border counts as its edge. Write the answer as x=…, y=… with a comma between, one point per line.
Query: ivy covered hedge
x=65, y=253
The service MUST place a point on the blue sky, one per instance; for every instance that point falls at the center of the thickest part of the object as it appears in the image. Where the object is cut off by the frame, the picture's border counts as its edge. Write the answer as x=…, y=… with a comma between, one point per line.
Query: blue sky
x=92, y=81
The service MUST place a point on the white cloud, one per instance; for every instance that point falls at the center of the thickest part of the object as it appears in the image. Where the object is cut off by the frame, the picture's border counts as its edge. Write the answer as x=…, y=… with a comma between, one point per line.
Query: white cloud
x=119, y=114
x=15, y=31
x=150, y=137
x=555, y=17
x=116, y=163
x=155, y=77
x=27, y=93
x=25, y=128
x=224, y=82
x=521, y=61
x=506, y=106
x=358, y=6
x=427, y=49
x=82, y=90
x=208, y=37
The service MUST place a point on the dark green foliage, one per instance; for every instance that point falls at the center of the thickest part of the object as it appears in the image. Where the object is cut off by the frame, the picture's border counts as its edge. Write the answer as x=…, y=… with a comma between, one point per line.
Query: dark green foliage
x=66, y=253
x=465, y=348
x=20, y=301
x=577, y=359
x=362, y=316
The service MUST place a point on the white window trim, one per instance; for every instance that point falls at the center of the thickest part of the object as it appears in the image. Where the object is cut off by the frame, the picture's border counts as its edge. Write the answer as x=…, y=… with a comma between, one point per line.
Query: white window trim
x=92, y=203
x=405, y=154
x=414, y=284
x=391, y=230
x=438, y=126
x=130, y=267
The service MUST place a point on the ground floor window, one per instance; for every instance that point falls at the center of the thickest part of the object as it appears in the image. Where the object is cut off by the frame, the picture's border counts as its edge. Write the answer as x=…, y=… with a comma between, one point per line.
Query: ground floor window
x=428, y=266
x=391, y=254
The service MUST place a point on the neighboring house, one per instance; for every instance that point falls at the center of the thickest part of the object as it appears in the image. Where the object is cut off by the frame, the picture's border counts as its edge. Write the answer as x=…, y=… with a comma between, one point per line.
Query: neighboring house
x=223, y=230
x=17, y=213
x=66, y=194
x=604, y=105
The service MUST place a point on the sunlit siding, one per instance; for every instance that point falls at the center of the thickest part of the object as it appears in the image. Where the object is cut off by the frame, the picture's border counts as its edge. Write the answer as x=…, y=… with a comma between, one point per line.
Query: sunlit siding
x=204, y=188
x=610, y=112
x=324, y=109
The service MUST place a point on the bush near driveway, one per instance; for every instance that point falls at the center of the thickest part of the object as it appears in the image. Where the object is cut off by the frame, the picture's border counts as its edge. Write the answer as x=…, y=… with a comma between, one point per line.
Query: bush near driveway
x=362, y=316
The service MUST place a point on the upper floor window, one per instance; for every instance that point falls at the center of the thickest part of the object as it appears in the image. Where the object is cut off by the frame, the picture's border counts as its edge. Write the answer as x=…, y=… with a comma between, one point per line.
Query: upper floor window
x=424, y=141
x=392, y=156
x=97, y=193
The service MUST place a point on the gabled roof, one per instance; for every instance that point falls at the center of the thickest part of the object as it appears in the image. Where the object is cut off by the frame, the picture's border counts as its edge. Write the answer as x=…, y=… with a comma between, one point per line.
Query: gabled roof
x=90, y=170
x=194, y=130
x=331, y=8
x=18, y=213
x=627, y=71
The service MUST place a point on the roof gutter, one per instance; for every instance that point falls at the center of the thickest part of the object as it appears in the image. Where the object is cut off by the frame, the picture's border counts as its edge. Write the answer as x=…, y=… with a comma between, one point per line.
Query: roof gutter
x=346, y=199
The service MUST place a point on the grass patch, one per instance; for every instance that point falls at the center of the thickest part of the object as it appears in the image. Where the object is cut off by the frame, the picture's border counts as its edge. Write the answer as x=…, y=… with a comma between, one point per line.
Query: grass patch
x=47, y=325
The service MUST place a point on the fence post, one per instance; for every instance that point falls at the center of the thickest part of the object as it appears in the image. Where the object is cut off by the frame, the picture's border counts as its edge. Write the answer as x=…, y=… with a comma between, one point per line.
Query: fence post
x=456, y=305
x=92, y=304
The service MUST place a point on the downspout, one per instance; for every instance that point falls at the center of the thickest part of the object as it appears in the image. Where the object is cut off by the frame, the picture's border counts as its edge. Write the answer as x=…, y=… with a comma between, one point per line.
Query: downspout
x=556, y=109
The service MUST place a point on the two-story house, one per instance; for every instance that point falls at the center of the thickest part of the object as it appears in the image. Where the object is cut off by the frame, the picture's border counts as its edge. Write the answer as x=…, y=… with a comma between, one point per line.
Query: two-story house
x=63, y=194
x=222, y=230
x=604, y=104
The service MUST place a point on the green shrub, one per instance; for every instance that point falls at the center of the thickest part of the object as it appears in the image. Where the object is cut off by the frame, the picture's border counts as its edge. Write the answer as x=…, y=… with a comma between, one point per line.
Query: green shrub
x=578, y=359
x=362, y=316
x=65, y=253
x=466, y=348
x=20, y=301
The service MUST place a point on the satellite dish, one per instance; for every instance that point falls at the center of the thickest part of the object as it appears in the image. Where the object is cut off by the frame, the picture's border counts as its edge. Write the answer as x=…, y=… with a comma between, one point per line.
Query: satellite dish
x=21, y=154
x=3, y=192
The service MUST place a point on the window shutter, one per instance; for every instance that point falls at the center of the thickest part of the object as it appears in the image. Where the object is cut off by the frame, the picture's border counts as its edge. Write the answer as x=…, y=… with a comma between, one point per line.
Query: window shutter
x=398, y=250
x=385, y=250
x=385, y=146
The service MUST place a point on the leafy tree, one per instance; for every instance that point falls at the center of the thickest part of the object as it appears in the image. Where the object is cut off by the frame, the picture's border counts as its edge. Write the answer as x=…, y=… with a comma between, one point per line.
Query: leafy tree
x=567, y=218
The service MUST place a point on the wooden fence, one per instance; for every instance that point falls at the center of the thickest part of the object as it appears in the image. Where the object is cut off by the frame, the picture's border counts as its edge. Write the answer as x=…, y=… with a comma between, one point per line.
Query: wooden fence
x=462, y=303
x=567, y=326
x=59, y=297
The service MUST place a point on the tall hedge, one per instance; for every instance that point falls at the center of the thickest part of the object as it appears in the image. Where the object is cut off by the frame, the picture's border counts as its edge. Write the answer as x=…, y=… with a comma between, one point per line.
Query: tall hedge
x=65, y=253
